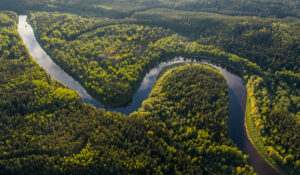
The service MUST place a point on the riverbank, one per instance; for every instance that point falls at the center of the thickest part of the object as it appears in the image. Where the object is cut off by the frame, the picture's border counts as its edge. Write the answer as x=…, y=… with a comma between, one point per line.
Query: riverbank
x=256, y=140
x=234, y=82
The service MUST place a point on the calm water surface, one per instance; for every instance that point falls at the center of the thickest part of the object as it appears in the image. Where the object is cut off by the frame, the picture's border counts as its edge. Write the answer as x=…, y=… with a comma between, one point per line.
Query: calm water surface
x=237, y=94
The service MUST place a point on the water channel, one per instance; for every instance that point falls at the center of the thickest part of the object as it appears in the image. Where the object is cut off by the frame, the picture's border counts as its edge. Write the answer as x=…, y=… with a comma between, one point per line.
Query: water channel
x=237, y=94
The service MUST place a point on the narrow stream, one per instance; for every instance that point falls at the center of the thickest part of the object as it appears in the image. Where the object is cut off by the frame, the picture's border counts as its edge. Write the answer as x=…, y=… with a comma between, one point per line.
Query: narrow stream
x=237, y=94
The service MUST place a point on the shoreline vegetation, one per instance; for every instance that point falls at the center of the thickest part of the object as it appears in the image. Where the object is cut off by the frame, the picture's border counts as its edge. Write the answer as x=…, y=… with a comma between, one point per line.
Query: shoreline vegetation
x=172, y=46
x=164, y=94
x=259, y=40
x=254, y=139
x=255, y=136
x=49, y=130
x=165, y=49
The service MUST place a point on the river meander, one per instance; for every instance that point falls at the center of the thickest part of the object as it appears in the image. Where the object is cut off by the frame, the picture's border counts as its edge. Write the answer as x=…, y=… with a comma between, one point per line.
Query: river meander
x=237, y=93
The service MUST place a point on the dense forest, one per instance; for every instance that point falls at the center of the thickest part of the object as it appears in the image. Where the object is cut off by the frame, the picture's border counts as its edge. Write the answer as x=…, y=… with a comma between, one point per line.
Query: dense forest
x=113, y=69
x=272, y=43
x=46, y=128
x=109, y=46
x=121, y=53
x=281, y=80
x=125, y=8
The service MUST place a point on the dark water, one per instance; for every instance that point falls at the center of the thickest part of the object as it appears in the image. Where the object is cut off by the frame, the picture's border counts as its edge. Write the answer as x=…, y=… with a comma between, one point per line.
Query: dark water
x=237, y=94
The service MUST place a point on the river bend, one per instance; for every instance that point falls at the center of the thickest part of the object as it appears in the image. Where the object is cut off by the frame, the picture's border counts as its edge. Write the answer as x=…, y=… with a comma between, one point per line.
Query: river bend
x=237, y=93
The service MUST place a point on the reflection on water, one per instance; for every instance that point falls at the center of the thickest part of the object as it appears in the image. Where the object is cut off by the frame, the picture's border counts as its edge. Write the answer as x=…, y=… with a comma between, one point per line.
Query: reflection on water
x=237, y=93
x=40, y=56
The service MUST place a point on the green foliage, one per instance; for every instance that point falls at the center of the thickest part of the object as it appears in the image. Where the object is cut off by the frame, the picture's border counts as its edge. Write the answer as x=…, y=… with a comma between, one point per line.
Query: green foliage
x=156, y=140
x=104, y=59
x=274, y=128
x=191, y=101
x=10, y=44
x=46, y=128
x=271, y=43
x=189, y=95
x=124, y=8
x=35, y=110
x=111, y=61
x=277, y=41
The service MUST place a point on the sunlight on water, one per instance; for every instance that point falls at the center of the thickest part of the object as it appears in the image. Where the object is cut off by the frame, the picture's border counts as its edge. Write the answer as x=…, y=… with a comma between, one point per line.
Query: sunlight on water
x=237, y=92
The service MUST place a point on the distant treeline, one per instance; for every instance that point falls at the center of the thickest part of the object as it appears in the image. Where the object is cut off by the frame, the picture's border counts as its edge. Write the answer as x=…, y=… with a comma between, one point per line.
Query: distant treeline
x=110, y=56
x=121, y=8
x=270, y=42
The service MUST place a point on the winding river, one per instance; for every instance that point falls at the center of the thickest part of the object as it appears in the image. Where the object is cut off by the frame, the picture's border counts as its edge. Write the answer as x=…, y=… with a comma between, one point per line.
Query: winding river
x=237, y=94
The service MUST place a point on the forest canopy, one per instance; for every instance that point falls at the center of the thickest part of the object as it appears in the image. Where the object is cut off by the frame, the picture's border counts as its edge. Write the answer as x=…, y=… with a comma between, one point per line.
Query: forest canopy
x=122, y=70
x=47, y=129
x=109, y=46
x=121, y=8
